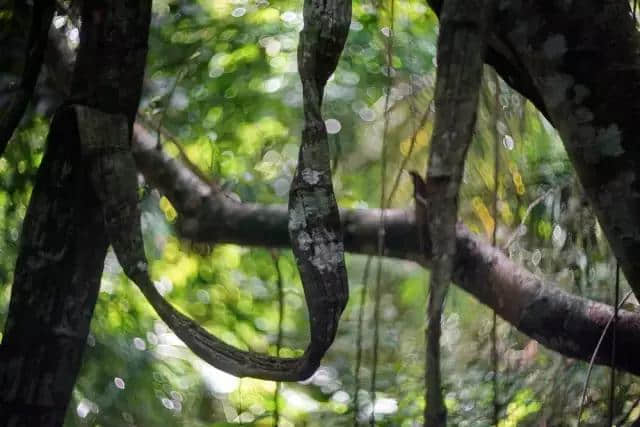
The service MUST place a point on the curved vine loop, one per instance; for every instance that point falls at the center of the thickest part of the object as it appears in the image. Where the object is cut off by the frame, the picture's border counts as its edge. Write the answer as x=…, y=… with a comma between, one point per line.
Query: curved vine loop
x=314, y=222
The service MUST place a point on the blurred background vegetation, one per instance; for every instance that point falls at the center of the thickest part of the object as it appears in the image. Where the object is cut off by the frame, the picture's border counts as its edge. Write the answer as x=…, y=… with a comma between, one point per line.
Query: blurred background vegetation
x=222, y=83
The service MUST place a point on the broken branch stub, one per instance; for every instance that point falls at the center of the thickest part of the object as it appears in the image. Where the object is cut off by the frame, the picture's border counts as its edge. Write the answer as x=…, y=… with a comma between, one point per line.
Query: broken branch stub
x=314, y=222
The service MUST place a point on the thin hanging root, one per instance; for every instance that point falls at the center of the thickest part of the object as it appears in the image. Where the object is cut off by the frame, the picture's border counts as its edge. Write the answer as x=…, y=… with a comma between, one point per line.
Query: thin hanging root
x=612, y=384
x=463, y=28
x=612, y=319
x=279, y=284
x=314, y=223
x=361, y=308
x=494, y=235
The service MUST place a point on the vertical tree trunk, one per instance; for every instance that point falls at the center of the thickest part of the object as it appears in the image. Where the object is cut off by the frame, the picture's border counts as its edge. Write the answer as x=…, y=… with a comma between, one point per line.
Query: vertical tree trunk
x=578, y=62
x=63, y=242
x=56, y=283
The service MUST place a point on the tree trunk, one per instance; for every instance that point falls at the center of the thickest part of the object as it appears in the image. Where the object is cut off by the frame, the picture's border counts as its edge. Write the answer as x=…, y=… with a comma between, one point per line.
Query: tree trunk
x=57, y=278
x=536, y=307
x=63, y=242
x=579, y=63
x=576, y=61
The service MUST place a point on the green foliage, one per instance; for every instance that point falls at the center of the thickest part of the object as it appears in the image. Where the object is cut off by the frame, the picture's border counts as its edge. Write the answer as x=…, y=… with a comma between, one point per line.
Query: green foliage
x=222, y=78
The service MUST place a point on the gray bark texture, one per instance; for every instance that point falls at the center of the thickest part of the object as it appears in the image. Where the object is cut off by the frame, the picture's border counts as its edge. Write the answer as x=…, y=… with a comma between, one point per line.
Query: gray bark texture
x=63, y=242
x=576, y=61
x=314, y=223
x=461, y=45
x=56, y=283
x=563, y=322
x=579, y=63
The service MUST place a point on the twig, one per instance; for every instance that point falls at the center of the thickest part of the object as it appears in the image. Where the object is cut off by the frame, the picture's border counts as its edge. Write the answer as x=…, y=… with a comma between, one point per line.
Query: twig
x=168, y=97
x=363, y=299
x=494, y=320
x=276, y=394
x=531, y=206
x=595, y=353
x=175, y=140
x=381, y=230
x=612, y=390
x=626, y=416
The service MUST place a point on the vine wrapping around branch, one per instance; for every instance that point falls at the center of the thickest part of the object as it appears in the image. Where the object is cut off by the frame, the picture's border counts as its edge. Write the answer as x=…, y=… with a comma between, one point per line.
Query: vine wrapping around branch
x=314, y=222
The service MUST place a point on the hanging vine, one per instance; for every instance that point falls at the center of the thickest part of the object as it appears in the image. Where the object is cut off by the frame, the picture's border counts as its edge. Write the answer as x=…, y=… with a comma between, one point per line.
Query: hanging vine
x=361, y=309
x=461, y=44
x=314, y=223
x=595, y=354
x=612, y=383
x=383, y=204
x=280, y=289
x=496, y=176
x=365, y=278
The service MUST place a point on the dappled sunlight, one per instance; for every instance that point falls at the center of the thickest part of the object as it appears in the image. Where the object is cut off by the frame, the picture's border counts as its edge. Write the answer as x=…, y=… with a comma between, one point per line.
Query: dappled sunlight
x=223, y=100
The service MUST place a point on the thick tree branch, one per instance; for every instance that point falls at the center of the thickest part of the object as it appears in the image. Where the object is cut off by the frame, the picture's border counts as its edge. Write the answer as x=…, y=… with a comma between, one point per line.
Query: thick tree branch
x=314, y=222
x=579, y=63
x=563, y=322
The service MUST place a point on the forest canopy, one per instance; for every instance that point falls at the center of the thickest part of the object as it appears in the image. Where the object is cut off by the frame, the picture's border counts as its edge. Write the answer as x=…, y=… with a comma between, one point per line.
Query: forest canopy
x=216, y=138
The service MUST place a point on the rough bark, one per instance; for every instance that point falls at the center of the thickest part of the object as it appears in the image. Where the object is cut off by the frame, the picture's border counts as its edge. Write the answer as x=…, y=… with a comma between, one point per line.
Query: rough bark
x=111, y=58
x=561, y=321
x=55, y=286
x=208, y=216
x=568, y=324
x=313, y=223
x=461, y=45
x=41, y=15
x=314, y=220
x=579, y=63
x=63, y=243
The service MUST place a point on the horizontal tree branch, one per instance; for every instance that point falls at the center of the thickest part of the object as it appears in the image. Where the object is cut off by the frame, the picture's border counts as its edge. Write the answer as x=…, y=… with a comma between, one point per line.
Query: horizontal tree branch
x=563, y=322
x=566, y=323
x=578, y=63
